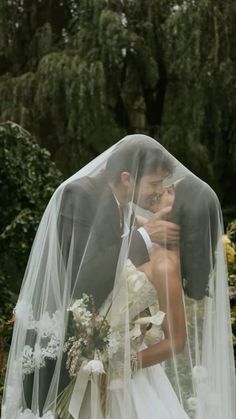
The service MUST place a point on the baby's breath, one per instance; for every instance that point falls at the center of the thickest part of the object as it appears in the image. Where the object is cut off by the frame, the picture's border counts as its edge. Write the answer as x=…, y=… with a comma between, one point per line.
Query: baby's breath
x=92, y=335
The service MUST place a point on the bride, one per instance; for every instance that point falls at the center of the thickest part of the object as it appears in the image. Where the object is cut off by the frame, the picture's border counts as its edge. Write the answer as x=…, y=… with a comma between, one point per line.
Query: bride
x=123, y=310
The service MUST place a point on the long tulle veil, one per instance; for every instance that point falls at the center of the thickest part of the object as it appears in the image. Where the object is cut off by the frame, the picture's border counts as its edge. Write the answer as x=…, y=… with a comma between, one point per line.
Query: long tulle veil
x=76, y=268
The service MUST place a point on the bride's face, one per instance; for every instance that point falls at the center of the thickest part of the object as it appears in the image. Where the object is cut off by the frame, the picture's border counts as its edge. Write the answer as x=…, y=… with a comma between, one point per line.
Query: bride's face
x=148, y=187
x=164, y=199
x=167, y=198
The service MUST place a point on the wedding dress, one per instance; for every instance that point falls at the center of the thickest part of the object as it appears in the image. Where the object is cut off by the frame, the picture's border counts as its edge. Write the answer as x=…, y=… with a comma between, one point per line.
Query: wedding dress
x=152, y=395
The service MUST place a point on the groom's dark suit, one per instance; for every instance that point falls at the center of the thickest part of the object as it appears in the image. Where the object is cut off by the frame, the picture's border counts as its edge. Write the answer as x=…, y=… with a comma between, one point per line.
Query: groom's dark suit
x=90, y=228
x=89, y=231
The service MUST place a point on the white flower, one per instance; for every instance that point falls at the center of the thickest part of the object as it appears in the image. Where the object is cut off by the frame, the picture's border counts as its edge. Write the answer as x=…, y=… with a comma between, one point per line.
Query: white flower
x=94, y=367
x=81, y=302
x=80, y=312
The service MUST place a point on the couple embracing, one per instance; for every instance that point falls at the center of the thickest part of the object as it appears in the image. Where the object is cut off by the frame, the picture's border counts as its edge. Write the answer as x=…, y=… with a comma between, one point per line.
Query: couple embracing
x=123, y=311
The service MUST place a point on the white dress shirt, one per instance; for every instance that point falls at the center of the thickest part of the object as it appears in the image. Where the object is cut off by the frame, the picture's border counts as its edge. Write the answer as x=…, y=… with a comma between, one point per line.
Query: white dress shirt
x=126, y=216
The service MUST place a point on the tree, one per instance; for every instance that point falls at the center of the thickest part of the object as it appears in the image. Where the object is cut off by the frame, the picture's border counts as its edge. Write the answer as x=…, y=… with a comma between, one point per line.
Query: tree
x=200, y=100
x=81, y=74
x=27, y=180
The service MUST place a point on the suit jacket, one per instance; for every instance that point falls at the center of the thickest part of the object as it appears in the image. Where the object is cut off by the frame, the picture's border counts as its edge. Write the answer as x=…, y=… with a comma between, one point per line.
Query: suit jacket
x=90, y=232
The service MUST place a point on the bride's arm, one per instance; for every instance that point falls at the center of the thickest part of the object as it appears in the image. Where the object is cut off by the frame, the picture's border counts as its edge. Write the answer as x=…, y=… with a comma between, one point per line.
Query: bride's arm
x=164, y=272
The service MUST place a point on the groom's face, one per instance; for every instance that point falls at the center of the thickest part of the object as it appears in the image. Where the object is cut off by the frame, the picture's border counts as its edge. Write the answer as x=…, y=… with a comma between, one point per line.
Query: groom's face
x=148, y=187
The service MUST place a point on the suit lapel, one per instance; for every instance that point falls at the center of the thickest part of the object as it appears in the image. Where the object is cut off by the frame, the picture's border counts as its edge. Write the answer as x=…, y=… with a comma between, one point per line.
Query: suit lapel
x=107, y=215
x=112, y=213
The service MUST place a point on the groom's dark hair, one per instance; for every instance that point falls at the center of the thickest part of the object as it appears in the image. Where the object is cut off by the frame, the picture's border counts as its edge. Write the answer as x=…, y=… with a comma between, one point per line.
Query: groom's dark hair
x=139, y=157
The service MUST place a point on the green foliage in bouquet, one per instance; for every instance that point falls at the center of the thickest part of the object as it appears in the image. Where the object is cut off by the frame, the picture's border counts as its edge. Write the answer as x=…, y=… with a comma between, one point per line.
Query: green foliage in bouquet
x=89, y=335
x=88, y=346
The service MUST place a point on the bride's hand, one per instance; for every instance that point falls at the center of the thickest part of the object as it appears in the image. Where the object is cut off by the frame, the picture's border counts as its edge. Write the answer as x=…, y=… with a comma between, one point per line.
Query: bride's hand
x=161, y=231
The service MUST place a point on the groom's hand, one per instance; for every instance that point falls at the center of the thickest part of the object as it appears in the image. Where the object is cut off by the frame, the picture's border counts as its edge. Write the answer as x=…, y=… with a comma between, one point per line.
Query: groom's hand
x=161, y=231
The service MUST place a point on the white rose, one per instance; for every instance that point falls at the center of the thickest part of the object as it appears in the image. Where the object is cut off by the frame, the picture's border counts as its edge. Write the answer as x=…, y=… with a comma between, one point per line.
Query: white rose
x=94, y=367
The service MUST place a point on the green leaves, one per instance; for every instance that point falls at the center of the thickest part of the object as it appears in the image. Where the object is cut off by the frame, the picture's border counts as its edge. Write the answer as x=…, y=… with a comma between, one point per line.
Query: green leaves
x=27, y=180
x=80, y=75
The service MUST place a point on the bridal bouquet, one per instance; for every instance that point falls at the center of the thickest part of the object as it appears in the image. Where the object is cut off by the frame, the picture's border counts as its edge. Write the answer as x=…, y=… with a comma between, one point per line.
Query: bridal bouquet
x=88, y=347
x=91, y=336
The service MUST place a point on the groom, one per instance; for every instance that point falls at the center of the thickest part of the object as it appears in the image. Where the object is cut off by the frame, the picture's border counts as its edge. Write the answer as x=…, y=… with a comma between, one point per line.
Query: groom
x=95, y=214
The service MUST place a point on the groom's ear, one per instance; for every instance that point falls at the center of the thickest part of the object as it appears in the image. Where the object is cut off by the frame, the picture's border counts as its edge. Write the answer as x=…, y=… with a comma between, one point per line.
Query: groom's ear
x=126, y=179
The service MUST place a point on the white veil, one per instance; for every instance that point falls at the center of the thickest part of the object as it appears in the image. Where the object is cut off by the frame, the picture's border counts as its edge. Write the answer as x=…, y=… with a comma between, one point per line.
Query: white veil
x=78, y=268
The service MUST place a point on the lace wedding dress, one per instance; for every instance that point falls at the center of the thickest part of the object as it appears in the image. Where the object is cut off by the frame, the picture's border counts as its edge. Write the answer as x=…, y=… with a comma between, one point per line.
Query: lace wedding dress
x=152, y=395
